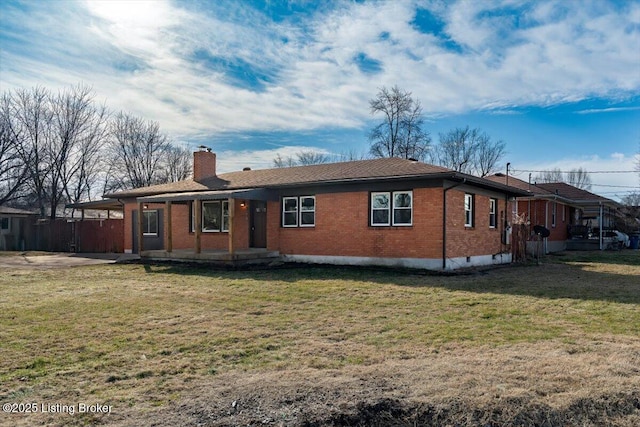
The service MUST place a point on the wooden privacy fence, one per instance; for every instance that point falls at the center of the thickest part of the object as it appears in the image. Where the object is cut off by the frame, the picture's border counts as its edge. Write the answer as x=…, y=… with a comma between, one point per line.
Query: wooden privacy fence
x=89, y=235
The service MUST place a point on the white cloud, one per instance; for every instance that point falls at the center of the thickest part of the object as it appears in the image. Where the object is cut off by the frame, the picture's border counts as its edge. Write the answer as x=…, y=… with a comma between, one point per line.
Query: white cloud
x=231, y=161
x=140, y=57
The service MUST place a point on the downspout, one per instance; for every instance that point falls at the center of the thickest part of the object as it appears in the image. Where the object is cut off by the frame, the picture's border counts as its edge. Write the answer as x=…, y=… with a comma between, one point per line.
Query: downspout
x=444, y=222
x=600, y=223
x=546, y=223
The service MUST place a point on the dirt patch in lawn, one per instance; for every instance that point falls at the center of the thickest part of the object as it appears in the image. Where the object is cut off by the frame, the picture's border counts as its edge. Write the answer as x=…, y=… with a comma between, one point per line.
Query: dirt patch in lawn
x=546, y=384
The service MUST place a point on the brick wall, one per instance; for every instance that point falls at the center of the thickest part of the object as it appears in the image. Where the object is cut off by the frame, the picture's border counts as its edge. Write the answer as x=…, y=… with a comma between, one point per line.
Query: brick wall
x=477, y=240
x=182, y=236
x=342, y=228
x=541, y=212
x=204, y=165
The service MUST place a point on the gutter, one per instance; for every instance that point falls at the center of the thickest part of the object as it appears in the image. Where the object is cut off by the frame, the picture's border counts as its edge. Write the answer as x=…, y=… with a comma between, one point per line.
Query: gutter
x=444, y=221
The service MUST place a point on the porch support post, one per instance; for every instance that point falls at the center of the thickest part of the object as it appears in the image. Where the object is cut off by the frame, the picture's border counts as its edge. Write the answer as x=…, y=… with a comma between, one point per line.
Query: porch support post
x=168, y=238
x=140, y=224
x=232, y=210
x=198, y=225
x=600, y=224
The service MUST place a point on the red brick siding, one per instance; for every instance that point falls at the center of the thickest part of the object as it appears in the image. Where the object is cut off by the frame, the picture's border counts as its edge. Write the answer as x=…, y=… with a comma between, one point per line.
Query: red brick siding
x=477, y=240
x=541, y=211
x=342, y=229
x=182, y=236
x=204, y=165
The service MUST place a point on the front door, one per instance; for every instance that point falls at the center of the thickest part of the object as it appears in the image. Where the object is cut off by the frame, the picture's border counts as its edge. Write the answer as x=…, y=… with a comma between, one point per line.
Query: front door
x=258, y=224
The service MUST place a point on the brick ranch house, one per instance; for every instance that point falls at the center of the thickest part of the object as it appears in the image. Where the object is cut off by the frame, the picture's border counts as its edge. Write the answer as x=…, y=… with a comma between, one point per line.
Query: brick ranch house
x=390, y=212
x=576, y=218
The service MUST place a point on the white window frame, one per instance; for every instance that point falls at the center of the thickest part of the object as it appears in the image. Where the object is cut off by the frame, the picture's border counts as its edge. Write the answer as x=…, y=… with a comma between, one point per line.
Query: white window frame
x=394, y=208
x=554, y=214
x=296, y=211
x=144, y=231
x=225, y=229
x=493, y=213
x=301, y=211
x=388, y=209
x=468, y=201
x=391, y=209
x=192, y=208
x=202, y=208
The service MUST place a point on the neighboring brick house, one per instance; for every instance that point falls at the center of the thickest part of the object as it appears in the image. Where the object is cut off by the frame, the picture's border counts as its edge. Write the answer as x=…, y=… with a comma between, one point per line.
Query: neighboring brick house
x=391, y=211
x=568, y=212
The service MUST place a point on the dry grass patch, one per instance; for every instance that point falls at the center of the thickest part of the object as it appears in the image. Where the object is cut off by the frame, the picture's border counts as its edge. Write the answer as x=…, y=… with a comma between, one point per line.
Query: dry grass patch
x=151, y=339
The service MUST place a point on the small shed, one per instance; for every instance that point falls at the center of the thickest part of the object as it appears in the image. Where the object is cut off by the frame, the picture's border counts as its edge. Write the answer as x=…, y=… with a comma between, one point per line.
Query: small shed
x=14, y=228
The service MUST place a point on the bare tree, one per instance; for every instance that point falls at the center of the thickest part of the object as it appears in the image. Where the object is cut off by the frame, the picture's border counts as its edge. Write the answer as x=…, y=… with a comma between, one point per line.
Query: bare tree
x=13, y=170
x=178, y=164
x=283, y=162
x=578, y=177
x=469, y=151
x=488, y=155
x=400, y=133
x=32, y=117
x=138, y=150
x=552, y=175
x=457, y=149
x=78, y=134
x=310, y=157
x=302, y=158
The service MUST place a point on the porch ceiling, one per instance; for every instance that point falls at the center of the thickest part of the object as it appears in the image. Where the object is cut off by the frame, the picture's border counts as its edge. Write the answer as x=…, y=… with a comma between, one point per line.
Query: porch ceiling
x=247, y=193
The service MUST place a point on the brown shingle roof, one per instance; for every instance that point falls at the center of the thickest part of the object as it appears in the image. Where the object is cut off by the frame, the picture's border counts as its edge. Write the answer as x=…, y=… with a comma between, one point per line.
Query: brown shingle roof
x=328, y=172
x=518, y=183
x=574, y=193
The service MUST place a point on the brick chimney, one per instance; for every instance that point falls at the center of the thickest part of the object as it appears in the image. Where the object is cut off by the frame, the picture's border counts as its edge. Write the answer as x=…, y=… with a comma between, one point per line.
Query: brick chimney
x=204, y=164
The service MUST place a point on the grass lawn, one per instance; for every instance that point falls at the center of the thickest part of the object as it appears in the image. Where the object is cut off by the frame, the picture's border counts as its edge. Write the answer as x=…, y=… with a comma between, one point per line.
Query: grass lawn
x=147, y=339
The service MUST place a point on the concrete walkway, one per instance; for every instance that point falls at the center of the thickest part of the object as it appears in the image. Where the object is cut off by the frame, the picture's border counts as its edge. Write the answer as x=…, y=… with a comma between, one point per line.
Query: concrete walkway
x=59, y=260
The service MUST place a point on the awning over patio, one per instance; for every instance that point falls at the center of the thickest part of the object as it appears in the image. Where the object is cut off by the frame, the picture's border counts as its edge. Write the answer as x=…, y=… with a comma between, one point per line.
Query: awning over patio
x=247, y=193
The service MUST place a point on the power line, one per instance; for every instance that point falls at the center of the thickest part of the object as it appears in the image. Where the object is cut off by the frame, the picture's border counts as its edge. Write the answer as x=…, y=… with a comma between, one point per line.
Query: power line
x=571, y=172
x=617, y=186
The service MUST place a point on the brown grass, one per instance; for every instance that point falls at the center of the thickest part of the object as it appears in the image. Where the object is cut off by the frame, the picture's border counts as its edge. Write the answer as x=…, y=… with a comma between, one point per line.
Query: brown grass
x=178, y=344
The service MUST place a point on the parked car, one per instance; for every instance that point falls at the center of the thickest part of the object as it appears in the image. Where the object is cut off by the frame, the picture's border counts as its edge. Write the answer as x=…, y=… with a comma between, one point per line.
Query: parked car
x=622, y=238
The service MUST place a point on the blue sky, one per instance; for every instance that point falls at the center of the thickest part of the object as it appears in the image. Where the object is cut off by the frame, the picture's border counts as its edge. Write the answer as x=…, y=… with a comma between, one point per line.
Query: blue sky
x=558, y=81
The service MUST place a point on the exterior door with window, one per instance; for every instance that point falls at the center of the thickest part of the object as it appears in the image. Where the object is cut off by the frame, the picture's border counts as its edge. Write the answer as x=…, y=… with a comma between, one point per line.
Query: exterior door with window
x=152, y=232
x=258, y=222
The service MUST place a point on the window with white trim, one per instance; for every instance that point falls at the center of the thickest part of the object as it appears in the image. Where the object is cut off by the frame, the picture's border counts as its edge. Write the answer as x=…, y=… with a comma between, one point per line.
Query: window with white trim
x=299, y=211
x=554, y=210
x=192, y=216
x=468, y=210
x=402, y=208
x=380, y=205
x=225, y=215
x=289, y=211
x=150, y=223
x=307, y=211
x=215, y=216
x=493, y=217
x=391, y=208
